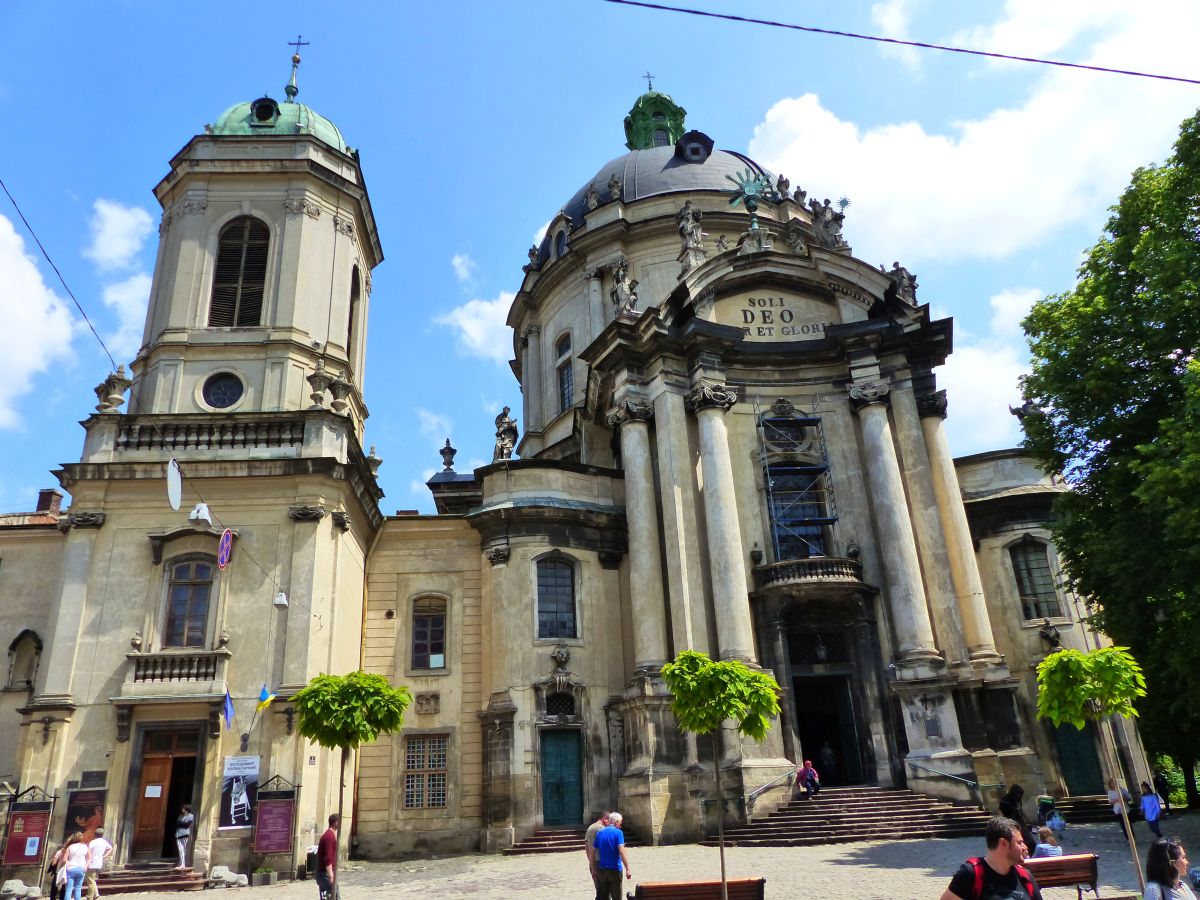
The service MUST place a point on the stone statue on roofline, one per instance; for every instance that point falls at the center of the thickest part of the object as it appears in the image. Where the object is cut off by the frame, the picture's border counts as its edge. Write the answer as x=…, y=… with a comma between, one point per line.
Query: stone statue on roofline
x=624, y=293
x=905, y=282
x=614, y=187
x=592, y=197
x=506, y=435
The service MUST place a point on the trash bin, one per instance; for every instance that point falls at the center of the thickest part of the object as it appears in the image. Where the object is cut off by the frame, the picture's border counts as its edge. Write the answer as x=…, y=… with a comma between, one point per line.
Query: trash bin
x=1045, y=806
x=310, y=862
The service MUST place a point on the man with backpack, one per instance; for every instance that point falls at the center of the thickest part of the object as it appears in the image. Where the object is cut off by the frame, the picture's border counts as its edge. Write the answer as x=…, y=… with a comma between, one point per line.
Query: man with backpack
x=999, y=875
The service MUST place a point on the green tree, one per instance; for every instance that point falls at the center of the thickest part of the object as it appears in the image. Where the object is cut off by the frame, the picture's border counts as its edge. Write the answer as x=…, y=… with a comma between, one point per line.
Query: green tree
x=707, y=694
x=1075, y=687
x=1114, y=407
x=343, y=711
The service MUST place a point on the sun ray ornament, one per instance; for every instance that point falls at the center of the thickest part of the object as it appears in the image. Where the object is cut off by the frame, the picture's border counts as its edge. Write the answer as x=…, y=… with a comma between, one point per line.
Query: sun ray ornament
x=751, y=189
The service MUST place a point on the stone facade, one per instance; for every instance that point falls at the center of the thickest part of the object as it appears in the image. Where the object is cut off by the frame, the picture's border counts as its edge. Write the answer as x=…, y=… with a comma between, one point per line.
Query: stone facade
x=744, y=455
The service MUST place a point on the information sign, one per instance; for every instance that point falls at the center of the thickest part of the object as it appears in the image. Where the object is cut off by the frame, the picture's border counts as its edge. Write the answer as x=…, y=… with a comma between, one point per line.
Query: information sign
x=27, y=830
x=274, y=823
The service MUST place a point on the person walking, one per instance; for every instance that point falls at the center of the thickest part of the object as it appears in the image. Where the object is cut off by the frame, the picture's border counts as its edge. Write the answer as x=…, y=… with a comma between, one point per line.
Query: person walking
x=327, y=854
x=589, y=845
x=999, y=875
x=1118, y=799
x=1167, y=872
x=1163, y=788
x=54, y=870
x=611, y=860
x=183, y=833
x=99, y=851
x=75, y=860
x=807, y=780
x=1151, y=808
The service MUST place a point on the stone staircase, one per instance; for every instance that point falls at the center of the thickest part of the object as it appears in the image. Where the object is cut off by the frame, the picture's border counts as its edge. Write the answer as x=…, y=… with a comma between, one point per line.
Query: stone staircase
x=842, y=815
x=138, y=877
x=1084, y=808
x=558, y=840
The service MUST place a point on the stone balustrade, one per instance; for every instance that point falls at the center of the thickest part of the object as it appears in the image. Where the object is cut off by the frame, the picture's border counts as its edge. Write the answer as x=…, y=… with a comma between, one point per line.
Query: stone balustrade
x=176, y=434
x=191, y=672
x=807, y=571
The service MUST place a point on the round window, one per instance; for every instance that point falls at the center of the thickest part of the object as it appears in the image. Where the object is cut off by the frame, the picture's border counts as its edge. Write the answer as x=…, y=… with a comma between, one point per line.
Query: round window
x=223, y=390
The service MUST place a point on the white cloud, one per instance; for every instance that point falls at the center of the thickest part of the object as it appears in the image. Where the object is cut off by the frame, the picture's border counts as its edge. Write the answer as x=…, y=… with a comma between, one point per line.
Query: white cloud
x=981, y=378
x=434, y=425
x=464, y=267
x=37, y=324
x=1011, y=177
x=118, y=234
x=481, y=328
x=1037, y=28
x=128, y=299
x=891, y=17
x=541, y=233
x=418, y=486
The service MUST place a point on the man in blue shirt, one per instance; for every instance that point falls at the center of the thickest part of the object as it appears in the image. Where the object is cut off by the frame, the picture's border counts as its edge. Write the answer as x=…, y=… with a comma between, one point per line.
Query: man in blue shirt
x=611, y=859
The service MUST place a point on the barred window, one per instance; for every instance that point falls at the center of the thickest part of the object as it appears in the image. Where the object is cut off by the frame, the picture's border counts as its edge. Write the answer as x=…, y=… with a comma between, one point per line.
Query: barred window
x=556, y=599
x=241, y=274
x=425, y=771
x=429, y=633
x=1035, y=583
x=188, y=597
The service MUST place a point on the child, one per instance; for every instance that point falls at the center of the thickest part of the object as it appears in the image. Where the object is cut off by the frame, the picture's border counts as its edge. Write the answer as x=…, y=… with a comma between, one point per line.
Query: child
x=1047, y=844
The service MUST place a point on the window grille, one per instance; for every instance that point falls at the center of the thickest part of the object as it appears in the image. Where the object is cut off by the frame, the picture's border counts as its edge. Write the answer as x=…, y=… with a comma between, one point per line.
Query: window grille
x=188, y=596
x=425, y=772
x=241, y=274
x=556, y=599
x=1035, y=583
x=560, y=704
x=661, y=138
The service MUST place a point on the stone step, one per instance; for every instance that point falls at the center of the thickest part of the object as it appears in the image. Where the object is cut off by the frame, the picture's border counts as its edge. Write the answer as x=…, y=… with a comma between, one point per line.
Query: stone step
x=149, y=877
x=558, y=840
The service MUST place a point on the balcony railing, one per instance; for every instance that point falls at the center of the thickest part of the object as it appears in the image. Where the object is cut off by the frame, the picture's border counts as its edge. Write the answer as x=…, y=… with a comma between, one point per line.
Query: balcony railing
x=809, y=571
x=175, y=672
x=198, y=433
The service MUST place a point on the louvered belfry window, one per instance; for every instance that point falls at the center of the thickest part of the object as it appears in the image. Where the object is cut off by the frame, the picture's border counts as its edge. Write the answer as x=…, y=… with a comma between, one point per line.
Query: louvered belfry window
x=237, y=295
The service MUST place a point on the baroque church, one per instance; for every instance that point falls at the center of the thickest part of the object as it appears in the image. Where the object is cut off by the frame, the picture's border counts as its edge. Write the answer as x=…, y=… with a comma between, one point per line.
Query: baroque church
x=731, y=441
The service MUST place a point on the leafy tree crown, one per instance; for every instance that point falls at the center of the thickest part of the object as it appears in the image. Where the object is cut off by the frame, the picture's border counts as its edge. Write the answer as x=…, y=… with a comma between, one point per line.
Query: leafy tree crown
x=344, y=711
x=1075, y=687
x=707, y=693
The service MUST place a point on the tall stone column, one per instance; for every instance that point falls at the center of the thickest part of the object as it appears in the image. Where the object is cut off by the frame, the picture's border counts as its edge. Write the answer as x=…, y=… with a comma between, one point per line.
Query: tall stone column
x=901, y=566
x=964, y=567
x=531, y=372
x=58, y=662
x=641, y=515
x=927, y=524
x=595, y=297
x=727, y=563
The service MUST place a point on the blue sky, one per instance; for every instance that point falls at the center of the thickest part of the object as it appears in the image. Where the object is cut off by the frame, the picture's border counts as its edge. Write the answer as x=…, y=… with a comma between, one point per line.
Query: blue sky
x=477, y=120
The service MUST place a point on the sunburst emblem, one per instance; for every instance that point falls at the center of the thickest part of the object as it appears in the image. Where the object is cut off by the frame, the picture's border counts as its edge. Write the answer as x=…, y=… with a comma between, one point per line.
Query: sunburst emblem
x=750, y=189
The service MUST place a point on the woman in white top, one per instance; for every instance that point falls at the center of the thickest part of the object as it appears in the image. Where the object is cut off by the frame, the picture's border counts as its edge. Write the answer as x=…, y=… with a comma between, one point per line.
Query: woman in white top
x=1166, y=872
x=76, y=862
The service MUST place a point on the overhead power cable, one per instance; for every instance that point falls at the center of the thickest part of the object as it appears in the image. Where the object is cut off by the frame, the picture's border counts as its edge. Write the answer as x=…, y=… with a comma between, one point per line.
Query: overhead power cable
x=898, y=41
x=71, y=294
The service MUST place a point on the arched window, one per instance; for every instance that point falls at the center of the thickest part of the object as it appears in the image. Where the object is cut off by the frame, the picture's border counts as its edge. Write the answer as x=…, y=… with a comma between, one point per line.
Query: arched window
x=1035, y=583
x=556, y=599
x=241, y=274
x=24, y=654
x=560, y=244
x=189, y=594
x=796, y=481
x=565, y=372
x=351, y=327
x=429, y=633
x=661, y=138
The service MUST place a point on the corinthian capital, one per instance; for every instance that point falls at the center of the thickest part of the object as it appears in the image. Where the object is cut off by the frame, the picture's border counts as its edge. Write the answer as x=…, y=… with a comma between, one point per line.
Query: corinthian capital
x=632, y=409
x=711, y=396
x=932, y=405
x=866, y=393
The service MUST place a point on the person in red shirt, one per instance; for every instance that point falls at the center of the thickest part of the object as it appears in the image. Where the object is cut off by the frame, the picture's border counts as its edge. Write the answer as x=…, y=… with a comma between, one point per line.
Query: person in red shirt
x=327, y=853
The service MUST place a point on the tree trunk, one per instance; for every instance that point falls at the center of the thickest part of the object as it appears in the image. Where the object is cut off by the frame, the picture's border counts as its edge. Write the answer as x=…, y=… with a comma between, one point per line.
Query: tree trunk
x=1188, y=764
x=341, y=801
x=1113, y=763
x=720, y=811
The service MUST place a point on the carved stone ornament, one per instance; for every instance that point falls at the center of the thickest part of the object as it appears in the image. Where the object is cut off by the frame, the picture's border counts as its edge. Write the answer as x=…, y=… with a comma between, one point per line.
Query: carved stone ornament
x=624, y=292
x=297, y=206
x=711, y=396
x=339, y=390
x=344, y=226
x=703, y=303
x=561, y=678
x=592, y=197
x=374, y=461
x=533, y=256
x=794, y=237
x=498, y=556
x=341, y=519
x=193, y=206
x=633, y=409
x=306, y=513
x=827, y=224
x=447, y=457
x=164, y=223
x=368, y=285
x=865, y=393
x=427, y=703
x=783, y=408
x=506, y=436
x=614, y=188
x=319, y=380
x=904, y=281
x=111, y=391
x=932, y=405
x=124, y=717
x=722, y=243
x=85, y=519
x=136, y=641
x=610, y=559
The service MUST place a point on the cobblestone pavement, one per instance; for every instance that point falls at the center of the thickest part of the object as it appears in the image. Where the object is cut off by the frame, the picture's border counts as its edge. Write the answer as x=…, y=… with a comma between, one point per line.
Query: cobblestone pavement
x=897, y=870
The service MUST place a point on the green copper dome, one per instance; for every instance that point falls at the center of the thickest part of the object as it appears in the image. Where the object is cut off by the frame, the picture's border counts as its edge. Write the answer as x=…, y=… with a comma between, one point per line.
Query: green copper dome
x=655, y=121
x=265, y=116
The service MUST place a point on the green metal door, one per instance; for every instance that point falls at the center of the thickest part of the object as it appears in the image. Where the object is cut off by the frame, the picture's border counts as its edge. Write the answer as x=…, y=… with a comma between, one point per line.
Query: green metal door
x=1077, y=757
x=562, y=778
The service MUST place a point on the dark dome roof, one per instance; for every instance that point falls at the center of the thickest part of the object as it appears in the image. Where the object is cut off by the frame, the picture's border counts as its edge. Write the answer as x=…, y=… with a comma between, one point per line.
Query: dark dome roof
x=655, y=171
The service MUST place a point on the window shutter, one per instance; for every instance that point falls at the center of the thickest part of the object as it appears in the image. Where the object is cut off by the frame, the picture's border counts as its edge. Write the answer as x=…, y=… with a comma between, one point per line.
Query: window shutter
x=240, y=275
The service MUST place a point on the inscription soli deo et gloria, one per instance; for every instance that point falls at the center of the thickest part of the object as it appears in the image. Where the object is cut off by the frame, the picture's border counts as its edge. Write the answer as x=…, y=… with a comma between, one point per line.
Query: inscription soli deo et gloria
x=779, y=317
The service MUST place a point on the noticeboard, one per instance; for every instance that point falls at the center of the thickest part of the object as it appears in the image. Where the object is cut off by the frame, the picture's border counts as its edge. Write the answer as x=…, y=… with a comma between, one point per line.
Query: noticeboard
x=28, y=825
x=274, y=822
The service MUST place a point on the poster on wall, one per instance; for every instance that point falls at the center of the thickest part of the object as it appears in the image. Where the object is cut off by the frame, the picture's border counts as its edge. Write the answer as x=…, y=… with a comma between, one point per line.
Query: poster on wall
x=28, y=826
x=239, y=792
x=85, y=813
x=275, y=822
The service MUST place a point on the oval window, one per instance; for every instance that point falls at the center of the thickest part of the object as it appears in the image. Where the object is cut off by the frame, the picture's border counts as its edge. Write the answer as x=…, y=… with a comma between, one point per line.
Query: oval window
x=222, y=390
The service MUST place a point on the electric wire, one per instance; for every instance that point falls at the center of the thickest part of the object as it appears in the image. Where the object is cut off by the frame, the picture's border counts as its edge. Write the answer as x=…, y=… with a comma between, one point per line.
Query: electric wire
x=923, y=45
x=66, y=288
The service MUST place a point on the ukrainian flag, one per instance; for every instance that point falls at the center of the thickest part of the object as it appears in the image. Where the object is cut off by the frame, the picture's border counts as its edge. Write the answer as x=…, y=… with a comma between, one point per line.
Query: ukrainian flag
x=264, y=699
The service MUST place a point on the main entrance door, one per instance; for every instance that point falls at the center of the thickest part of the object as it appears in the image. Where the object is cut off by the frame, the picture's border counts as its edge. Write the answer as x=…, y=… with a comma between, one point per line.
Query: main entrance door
x=168, y=777
x=826, y=727
x=1077, y=757
x=562, y=778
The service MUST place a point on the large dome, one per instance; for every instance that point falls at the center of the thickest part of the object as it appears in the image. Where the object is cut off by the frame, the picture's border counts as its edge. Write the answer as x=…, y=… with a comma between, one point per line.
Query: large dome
x=661, y=170
x=265, y=116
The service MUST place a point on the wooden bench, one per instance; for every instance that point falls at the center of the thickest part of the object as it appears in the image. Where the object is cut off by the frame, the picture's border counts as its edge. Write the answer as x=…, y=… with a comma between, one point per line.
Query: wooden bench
x=1079, y=870
x=739, y=889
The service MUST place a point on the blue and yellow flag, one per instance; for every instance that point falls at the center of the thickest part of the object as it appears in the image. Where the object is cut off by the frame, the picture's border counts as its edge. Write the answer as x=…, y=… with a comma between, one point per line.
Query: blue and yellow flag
x=264, y=699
